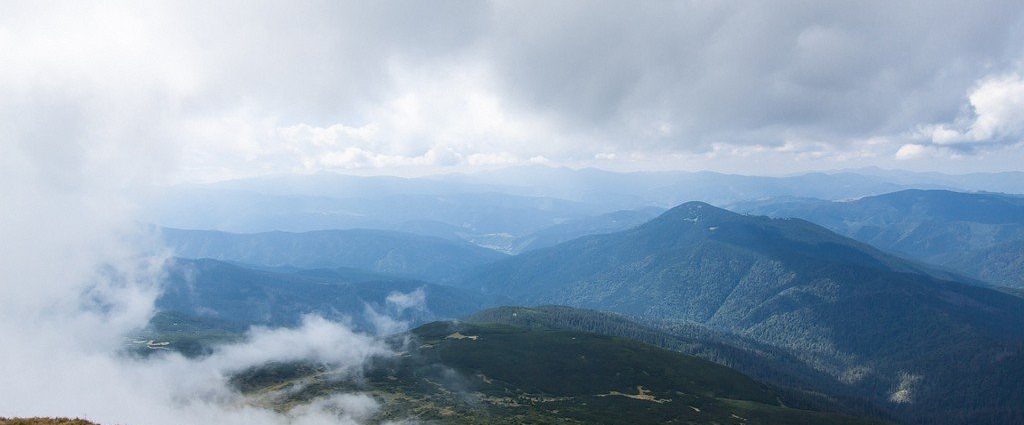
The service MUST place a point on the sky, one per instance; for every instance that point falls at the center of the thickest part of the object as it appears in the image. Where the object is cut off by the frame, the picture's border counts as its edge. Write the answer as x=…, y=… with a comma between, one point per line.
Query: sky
x=193, y=91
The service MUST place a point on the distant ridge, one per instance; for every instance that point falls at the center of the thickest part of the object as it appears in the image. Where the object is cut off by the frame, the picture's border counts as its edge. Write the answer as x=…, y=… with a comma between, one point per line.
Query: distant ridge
x=980, y=235
x=243, y=296
x=403, y=254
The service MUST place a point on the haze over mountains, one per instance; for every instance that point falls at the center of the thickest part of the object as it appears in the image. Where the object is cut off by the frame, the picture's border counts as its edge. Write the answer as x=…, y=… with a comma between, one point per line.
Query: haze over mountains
x=826, y=297
x=977, y=234
x=396, y=253
x=516, y=200
x=898, y=315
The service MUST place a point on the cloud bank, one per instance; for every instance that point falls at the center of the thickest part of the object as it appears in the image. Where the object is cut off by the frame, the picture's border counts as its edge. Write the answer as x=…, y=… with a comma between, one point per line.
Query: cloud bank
x=247, y=88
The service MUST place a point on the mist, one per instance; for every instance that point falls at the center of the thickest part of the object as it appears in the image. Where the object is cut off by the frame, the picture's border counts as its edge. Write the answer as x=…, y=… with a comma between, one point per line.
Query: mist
x=82, y=276
x=79, y=272
x=78, y=275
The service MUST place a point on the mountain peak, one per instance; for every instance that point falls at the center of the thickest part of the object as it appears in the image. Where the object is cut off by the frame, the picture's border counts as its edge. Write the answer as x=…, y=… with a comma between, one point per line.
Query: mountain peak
x=695, y=212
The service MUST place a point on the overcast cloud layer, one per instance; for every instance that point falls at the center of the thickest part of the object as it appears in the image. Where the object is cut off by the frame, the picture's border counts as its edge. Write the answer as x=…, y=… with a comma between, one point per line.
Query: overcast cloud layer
x=234, y=89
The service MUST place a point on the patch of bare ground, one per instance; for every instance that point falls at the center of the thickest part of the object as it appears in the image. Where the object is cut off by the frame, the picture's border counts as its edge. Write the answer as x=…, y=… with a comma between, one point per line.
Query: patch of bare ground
x=460, y=336
x=641, y=394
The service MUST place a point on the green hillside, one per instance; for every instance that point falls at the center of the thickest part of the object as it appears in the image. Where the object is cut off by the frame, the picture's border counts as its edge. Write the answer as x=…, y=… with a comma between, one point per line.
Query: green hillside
x=802, y=385
x=460, y=373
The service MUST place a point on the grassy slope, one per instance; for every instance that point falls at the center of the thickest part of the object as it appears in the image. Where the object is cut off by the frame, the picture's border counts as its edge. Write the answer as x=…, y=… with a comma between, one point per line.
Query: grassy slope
x=518, y=375
x=800, y=384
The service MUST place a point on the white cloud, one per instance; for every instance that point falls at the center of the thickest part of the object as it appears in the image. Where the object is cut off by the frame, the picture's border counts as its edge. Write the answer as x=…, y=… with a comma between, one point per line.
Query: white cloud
x=941, y=135
x=996, y=116
x=993, y=121
x=403, y=301
x=395, y=305
x=910, y=151
x=316, y=340
x=998, y=105
x=339, y=408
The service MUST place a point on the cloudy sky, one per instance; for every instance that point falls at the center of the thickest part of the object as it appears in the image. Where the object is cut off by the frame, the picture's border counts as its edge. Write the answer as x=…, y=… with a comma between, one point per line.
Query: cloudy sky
x=200, y=91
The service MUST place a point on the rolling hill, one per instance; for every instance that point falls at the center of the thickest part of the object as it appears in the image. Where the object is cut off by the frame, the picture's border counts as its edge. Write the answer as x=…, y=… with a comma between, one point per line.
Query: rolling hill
x=460, y=373
x=933, y=351
x=978, y=234
x=802, y=385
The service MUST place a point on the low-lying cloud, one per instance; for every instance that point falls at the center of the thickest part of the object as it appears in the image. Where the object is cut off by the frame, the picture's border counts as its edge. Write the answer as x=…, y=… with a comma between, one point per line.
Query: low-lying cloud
x=64, y=333
x=78, y=274
x=387, y=321
x=70, y=360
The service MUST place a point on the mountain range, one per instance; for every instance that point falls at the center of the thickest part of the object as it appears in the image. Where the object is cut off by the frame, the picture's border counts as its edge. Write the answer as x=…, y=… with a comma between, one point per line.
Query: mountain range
x=396, y=253
x=880, y=324
x=511, y=202
x=880, y=306
x=230, y=297
x=980, y=235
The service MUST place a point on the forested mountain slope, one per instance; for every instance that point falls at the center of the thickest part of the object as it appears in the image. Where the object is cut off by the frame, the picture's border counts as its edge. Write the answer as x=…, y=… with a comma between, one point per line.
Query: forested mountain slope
x=933, y=349
x=978, y=234
x=599, y=224
x=238, y=296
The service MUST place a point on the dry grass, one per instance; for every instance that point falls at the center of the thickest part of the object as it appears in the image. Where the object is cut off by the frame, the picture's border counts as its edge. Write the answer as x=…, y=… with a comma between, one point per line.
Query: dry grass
x=44, y=421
